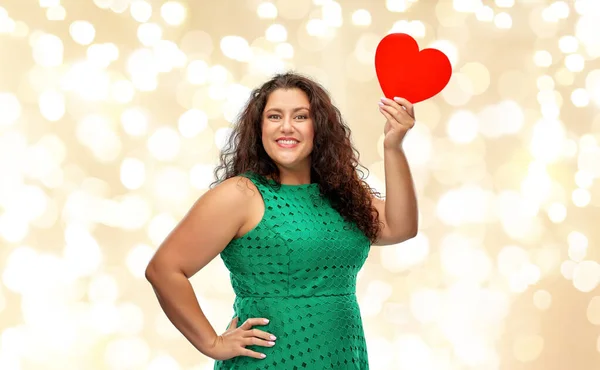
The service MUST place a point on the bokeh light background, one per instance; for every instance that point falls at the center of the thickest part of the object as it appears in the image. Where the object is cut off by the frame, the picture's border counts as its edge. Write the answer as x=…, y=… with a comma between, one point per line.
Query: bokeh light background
x=112, y=113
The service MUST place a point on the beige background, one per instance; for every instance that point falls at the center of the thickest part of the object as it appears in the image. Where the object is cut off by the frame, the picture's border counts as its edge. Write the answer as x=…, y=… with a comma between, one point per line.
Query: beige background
x=112, y=113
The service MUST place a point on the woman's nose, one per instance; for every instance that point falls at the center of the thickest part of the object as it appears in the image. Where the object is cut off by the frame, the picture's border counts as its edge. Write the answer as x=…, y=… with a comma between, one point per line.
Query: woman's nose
x=286, y=124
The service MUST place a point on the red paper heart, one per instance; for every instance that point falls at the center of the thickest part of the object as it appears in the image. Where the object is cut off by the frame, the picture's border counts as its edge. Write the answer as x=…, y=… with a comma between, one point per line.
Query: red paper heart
x=405, y=72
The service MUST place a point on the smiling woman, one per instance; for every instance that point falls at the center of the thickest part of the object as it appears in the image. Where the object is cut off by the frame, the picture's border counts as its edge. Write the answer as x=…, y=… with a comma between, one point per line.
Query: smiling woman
x=294, y=106
x=295, y=227
x=288, y=132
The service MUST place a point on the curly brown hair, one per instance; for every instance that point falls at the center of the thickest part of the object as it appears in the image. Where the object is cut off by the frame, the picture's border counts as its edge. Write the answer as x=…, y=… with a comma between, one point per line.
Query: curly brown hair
x=334, y=160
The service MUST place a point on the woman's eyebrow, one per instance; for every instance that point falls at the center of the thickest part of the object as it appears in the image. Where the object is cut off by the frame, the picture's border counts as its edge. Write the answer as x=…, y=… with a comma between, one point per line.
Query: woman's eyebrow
x=281, y=111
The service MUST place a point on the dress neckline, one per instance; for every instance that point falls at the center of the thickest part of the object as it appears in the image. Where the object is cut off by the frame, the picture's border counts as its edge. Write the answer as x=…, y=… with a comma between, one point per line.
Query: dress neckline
x=292, y=186
x=312, y=185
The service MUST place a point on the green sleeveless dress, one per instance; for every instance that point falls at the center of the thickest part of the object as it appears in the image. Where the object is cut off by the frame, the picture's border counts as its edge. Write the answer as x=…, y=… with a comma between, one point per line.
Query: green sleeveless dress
x=298, y=269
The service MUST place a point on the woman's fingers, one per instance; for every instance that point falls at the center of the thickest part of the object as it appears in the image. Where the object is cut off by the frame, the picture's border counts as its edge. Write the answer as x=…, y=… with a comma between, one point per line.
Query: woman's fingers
x=233, y=323
x=400, y=107
x=397, y=112
x=408, y=106
x=386, y=113
x=254, y=341
x=248, y=324
x=250, y=353
x=250, y=331
x=260, y=334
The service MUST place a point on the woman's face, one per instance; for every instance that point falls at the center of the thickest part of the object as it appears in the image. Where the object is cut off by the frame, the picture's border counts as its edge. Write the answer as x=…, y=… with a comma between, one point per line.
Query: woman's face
x=287, y=115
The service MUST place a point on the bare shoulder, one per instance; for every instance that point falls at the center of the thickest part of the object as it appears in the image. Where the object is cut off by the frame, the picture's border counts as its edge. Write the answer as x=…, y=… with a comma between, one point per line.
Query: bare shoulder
x=241, y=185
x=229, y=201
x=211, y=223
x=237, y=192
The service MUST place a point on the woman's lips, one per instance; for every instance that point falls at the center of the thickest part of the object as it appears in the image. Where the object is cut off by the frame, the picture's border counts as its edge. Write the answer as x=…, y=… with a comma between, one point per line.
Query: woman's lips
x=286, y=145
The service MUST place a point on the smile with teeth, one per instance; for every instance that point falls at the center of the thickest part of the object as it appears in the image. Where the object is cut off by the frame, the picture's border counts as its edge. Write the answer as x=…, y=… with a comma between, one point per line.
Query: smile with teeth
x=287, y=143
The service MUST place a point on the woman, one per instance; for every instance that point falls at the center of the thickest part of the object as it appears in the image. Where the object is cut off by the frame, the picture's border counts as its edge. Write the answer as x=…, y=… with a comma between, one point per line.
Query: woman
x=293, y=223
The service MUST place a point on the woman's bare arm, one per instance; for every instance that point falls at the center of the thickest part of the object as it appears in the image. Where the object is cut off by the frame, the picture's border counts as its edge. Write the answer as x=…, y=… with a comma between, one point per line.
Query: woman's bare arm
x=204, y=232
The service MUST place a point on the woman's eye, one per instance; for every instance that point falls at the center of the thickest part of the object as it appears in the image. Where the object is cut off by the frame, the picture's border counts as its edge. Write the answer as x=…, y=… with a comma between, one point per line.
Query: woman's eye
x=277, y=116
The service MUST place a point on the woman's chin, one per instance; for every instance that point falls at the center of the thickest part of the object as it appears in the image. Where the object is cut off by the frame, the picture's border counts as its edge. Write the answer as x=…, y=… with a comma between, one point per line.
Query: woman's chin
x=290, y=163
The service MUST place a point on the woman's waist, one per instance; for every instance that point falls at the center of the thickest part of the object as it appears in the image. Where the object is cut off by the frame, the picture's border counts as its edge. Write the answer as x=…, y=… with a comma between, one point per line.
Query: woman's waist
x=332, y=318
x=286, y=297
x=286, y=303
